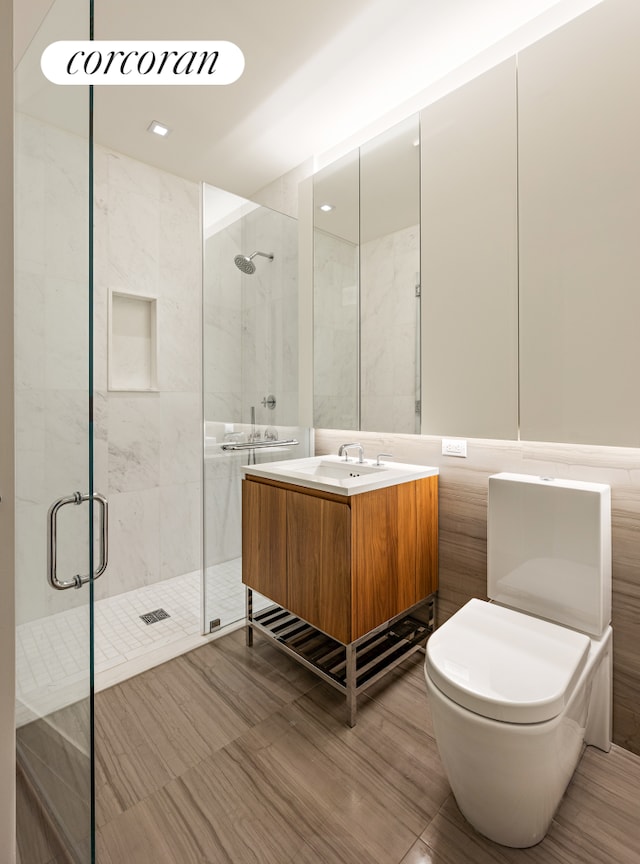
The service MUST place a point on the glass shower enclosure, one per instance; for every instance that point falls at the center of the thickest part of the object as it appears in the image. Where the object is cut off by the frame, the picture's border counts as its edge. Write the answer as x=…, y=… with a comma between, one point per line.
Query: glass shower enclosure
x=250, y=375
x=55, y=531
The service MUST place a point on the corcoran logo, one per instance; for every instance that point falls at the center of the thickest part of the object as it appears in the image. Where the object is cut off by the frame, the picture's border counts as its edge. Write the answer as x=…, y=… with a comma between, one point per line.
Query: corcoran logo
x=128, y=62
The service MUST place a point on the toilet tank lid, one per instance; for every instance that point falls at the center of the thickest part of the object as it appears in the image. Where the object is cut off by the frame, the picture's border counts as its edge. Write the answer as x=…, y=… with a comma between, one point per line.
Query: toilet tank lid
x=537, y=480
x=505, y=665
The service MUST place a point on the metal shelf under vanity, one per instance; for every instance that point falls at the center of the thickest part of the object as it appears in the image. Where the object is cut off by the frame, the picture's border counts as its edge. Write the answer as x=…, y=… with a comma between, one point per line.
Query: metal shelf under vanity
x=350, y=668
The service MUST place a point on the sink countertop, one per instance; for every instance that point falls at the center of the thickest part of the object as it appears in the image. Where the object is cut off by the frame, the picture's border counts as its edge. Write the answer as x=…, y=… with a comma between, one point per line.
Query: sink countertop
x=333, y=474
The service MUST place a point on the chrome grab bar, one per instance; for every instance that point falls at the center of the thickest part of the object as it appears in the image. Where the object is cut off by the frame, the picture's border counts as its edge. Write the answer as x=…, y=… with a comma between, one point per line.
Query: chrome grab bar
x=251, y=445
x=52, y=540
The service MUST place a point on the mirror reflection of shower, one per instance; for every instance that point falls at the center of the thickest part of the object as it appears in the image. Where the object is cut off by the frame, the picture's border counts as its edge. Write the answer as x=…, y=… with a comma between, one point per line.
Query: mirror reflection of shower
x=245, y=262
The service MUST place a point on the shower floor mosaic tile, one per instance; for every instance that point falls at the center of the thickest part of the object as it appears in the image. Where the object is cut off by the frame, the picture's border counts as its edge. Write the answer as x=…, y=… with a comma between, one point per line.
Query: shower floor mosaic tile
x=52, y=657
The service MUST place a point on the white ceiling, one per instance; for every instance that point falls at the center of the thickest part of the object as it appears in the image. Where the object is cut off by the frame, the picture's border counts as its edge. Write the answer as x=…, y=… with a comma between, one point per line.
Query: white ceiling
x=316, y=74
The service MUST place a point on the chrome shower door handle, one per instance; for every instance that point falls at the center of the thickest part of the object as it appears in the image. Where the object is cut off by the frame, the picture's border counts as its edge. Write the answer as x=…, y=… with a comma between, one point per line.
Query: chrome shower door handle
x=52, y=540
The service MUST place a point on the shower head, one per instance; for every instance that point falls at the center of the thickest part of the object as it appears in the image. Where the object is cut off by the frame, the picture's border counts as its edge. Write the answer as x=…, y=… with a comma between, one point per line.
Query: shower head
x=245, y=263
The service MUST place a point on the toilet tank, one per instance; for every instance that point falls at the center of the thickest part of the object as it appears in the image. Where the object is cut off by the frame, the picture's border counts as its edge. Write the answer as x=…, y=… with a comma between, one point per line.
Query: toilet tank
x=549, y=549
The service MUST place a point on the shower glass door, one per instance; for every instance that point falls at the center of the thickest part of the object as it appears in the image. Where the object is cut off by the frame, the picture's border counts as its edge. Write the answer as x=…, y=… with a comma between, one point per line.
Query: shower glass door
x=59, y=536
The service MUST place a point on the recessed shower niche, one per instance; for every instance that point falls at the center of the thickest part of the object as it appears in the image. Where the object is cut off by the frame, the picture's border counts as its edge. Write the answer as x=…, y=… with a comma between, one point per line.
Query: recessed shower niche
x=133, y=347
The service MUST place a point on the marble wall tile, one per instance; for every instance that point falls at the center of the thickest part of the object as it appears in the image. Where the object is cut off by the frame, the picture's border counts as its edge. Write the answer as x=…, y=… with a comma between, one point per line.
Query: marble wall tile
x=389, y=324
x=179, y=343
x=134, y=434
x=221, y=338
x=336, y=322
x=383, y=326
x=223, y=405
x=147, y=241
x=180, y=438
x=463, y=485
x=66, y=196
x=101, y=441
x=149, y=244
x=251, y=321
x=66, y=333
x=51, y=394
x=100, y=270
x=222, y=507
x=29, y=330
x=180, y=523
x=134, y=542
x=30, y=173
x=133, y=242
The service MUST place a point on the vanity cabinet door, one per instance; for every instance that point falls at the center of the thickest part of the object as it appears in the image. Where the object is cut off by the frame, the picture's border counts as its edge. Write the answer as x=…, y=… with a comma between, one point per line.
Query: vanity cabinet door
x=264, y=540
x=319, y=563
x=382, y=564
x=579, y=191
x=395, y=555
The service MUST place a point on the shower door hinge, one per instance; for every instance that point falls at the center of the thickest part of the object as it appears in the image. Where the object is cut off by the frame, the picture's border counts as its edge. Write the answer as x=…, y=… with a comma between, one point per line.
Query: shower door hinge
x=418, y=407
x=214, y=624
x=418, y=289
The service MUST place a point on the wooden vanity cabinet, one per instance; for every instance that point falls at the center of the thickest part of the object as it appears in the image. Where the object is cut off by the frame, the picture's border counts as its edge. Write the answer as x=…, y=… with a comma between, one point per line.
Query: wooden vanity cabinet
x=318, y=563
x=264, y=540
x=344, y=564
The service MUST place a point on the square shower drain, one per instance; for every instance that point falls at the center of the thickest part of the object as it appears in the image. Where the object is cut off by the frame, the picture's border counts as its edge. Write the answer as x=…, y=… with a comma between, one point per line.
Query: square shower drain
x=152, y=617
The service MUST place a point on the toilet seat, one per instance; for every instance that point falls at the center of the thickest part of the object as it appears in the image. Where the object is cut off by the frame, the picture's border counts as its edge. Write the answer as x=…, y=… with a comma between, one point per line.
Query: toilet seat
x=505, y=665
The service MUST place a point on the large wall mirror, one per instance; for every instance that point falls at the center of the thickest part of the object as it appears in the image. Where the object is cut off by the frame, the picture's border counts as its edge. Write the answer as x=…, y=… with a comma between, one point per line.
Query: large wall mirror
x=367, y=286
x=526, y=250
x=336, y=327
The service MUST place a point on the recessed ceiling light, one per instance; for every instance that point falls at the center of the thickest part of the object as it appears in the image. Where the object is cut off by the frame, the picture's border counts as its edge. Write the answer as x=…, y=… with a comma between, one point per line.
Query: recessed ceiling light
x=326, y=208
x=158, y=128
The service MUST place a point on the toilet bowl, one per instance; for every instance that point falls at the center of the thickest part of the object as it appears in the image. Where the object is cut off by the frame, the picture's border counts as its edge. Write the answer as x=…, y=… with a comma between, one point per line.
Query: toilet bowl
x=518, y=686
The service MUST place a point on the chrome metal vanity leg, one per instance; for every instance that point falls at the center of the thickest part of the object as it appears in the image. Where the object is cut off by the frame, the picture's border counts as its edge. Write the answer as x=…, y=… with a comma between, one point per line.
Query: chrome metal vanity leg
x=248, y=629
x=351, y=685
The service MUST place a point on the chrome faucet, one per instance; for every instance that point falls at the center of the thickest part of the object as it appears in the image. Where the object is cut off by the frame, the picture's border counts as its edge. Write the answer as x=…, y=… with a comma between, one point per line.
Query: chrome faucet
x=342, y=451
x=380, y=455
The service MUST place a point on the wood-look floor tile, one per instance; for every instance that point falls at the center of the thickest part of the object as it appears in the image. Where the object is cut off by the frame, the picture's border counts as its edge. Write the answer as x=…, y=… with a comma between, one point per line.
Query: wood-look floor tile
x=351, y=811
x=62, y=756
x=156, y=726
x=595, y=823
x=34, y=843
x=292, y=784
x=451, y=840
x=263, y=658
x=134, y=838
x=250, y=693
x=128, y=767
x=403, y=691
x=273, y=796
x=70, y=803
x=209, y=815
x=419, y=854
x=387, y=753
x=602, y=806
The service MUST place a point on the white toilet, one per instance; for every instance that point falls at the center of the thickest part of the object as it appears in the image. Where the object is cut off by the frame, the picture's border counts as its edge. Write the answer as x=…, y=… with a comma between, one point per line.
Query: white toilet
x=519, y=685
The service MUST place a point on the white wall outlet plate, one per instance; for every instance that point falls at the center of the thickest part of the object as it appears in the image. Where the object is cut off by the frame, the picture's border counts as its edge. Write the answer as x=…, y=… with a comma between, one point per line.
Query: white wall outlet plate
x=454, y=447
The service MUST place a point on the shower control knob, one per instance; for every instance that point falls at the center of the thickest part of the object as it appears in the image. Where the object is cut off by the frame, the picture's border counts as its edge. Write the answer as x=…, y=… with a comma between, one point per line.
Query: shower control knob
x=269, y=401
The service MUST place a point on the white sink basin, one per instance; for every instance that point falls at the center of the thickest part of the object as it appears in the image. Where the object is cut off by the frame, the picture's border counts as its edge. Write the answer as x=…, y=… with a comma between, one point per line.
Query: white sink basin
x=333, y=474
x=341, y=470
